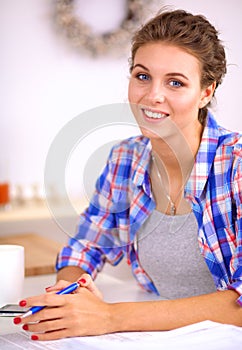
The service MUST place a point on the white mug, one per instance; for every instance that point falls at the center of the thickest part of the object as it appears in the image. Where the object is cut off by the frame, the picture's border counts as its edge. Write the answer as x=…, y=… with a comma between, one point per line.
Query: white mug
x=11, y=273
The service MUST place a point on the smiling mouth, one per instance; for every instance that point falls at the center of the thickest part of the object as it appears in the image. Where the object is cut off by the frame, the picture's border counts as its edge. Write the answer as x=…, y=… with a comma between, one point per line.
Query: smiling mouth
x=154, y=115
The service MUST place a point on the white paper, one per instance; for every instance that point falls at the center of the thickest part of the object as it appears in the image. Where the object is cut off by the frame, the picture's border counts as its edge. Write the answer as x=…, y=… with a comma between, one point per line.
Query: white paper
x=201, y=336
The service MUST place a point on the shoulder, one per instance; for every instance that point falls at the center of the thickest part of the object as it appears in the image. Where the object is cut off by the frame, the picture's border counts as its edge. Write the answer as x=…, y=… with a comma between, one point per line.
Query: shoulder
x=132, y=147
x=229, y=150
x=226, y=139
x=230, y=141
x=129, y=158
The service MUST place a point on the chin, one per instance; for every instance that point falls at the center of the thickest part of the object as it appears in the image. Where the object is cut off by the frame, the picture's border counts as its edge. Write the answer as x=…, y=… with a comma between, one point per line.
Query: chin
x=151, y=134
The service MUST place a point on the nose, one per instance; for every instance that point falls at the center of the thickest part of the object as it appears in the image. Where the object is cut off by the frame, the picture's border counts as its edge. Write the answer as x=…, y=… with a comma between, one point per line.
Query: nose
x=156, y=93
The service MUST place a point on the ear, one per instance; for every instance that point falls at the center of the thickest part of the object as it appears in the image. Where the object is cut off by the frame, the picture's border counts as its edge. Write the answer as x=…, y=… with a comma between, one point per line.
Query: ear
x=207, y=95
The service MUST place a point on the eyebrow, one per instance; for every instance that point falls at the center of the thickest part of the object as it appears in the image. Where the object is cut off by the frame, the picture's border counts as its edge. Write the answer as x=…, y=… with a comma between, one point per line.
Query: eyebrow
x=141, y=66
x=168, y=74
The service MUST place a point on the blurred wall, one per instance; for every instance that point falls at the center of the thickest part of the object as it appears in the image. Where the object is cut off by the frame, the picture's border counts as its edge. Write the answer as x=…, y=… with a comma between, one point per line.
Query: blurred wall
x=44, y=82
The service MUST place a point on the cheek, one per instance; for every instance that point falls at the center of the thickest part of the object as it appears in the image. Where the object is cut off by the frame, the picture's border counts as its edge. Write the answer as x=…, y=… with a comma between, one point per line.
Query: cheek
x=188, y=102
x=135, y=110
x=134, y=92
x=130, y=92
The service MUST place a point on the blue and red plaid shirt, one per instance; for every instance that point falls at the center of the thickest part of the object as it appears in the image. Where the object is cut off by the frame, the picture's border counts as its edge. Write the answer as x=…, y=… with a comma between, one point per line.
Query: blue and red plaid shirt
x=122, y=201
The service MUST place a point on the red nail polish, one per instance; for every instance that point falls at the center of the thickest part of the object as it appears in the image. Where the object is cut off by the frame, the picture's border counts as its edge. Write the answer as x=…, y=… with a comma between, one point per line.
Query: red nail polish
x=16, y=320
x=34, y=337
x=23, y=303
x=82, y=280
x=25, y=327
x=46, y=288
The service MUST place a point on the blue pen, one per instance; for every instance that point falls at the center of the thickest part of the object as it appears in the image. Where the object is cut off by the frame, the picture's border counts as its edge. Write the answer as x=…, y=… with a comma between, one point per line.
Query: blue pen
x=66, y=290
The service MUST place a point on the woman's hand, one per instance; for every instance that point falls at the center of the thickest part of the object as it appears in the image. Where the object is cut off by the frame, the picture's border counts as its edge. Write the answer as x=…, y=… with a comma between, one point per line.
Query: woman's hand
x=80, y=313
x=85, y=281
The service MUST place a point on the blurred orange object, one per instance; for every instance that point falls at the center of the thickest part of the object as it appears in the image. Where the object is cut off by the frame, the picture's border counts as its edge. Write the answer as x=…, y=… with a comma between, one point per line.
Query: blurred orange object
x=4, y=194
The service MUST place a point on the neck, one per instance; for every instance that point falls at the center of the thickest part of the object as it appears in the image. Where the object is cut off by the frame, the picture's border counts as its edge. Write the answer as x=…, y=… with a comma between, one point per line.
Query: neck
x=177, y=152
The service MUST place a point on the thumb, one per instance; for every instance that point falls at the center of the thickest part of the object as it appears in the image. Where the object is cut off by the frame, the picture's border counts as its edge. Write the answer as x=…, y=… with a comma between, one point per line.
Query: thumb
x=86, y=281
x=61, y=284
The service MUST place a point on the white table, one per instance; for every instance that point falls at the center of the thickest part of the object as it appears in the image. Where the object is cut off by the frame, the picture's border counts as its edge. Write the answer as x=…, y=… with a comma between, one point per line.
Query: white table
x=117, y=284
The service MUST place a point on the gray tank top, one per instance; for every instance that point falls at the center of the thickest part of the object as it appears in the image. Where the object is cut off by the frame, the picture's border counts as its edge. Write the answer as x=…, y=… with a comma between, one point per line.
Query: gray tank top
x=169, y=253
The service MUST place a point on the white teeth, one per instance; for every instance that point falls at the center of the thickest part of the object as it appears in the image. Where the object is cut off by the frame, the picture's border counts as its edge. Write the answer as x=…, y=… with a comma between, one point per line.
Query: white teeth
x=154, y=115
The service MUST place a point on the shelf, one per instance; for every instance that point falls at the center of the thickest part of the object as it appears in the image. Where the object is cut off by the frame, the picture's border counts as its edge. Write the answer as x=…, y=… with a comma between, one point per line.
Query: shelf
x=38, y=211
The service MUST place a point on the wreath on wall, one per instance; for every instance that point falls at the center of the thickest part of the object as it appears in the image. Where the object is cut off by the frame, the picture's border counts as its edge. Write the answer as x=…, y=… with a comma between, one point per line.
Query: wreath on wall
x=82, y=36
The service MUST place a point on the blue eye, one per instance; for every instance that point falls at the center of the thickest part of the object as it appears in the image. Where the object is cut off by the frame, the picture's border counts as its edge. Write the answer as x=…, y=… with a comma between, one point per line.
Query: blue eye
x=175, y=83
x=143, y=76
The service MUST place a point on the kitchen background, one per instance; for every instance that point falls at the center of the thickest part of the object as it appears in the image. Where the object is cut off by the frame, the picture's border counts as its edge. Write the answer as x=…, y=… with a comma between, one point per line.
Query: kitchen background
x=45, y=82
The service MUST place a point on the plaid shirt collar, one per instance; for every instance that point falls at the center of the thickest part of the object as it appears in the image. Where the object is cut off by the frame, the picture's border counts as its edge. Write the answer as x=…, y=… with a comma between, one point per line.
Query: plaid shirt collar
x=204, y=159
x=203, y=162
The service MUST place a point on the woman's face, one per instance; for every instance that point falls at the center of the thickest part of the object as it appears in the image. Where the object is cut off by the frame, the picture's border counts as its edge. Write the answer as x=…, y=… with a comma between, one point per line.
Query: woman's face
x=165, y=90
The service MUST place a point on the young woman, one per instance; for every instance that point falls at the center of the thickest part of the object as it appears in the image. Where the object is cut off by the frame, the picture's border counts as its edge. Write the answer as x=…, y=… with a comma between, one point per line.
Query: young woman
x=172, y=203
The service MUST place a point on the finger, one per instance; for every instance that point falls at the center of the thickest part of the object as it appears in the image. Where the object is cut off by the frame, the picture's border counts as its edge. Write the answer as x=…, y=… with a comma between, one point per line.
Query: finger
x=44, y=326
x=28, y=302
x=48, y=313
x=48, y=299
x=61, y=284
x=56, y=328
x=54, y=335
x=53, y=311
x=87, y=282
